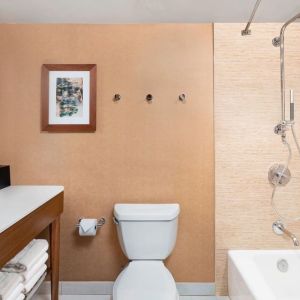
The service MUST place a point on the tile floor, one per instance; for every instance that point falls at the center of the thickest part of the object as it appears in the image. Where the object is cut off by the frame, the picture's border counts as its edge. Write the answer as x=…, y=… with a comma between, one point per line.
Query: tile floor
x=103, y=297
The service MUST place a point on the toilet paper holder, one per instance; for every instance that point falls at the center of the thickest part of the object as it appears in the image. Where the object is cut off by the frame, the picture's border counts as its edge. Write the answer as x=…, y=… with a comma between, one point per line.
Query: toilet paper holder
x=100, y=222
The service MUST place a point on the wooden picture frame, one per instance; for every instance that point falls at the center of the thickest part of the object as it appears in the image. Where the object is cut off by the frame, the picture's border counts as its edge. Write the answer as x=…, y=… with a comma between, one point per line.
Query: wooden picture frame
x=69, y=98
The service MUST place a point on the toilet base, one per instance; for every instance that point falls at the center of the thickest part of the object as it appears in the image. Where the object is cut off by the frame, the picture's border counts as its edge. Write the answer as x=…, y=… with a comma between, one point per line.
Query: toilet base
x=146, y=280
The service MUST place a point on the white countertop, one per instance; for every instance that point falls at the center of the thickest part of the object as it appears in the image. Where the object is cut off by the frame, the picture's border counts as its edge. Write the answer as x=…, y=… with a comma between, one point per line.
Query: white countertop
x=18, y=201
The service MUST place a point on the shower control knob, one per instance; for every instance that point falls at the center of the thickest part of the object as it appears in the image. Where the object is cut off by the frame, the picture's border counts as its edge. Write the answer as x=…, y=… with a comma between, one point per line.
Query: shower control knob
x=276, y=41
x=280, y=129
x=279, y=174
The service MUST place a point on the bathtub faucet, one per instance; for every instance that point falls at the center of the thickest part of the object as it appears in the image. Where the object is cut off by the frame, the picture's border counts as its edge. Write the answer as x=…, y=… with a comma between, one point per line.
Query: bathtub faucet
x=280, y=229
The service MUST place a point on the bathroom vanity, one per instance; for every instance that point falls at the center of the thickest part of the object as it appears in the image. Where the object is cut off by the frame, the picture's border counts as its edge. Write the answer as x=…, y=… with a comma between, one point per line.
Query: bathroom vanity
x=25, y=211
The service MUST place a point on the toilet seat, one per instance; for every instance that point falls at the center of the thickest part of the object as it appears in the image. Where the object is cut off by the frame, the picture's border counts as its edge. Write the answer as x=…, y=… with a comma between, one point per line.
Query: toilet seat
x=145, y=280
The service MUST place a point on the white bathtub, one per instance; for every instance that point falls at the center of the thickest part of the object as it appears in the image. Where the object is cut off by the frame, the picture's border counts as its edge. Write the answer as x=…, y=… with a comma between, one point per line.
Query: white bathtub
x=254, y=275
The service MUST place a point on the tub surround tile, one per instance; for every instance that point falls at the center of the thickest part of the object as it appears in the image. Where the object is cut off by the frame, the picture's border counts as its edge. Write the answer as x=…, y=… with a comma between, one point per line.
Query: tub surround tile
x=221, y=272
x=247, y=107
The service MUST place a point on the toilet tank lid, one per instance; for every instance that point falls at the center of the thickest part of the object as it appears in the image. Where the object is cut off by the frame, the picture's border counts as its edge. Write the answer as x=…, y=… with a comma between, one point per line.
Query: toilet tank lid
x=146, y=212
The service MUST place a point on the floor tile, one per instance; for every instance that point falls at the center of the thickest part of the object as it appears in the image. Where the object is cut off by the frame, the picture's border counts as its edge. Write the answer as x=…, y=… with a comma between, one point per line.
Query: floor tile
x=108, y=297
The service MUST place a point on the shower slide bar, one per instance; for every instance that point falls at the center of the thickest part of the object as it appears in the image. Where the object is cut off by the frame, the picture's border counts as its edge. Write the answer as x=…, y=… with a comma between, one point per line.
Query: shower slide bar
x=279, y=42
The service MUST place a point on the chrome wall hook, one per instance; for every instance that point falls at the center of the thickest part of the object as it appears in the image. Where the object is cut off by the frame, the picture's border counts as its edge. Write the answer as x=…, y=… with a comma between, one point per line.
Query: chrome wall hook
x=117, y=97
x=182, y=97
x=149, y=98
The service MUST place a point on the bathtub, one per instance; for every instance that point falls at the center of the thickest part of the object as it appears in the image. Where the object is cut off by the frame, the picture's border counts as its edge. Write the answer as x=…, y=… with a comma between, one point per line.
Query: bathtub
x=264, y=274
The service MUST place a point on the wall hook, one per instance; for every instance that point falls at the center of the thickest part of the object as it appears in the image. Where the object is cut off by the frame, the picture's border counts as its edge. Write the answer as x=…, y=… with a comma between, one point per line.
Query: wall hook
x=117, y=97
x=182, y=97
x=149, y=97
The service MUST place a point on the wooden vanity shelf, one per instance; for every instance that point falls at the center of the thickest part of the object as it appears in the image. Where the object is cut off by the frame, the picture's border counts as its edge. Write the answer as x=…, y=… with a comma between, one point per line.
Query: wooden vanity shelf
x=45, y=205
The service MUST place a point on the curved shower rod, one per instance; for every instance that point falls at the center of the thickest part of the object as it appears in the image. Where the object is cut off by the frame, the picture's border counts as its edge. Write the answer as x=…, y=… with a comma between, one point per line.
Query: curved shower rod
x=247, y=30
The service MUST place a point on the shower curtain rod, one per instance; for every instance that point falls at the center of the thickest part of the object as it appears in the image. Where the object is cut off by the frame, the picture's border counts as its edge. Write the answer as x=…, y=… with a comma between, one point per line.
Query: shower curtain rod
x=247, y=30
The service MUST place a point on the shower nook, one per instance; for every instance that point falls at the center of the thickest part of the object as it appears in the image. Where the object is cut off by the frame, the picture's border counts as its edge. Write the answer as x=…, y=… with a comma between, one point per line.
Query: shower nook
x=279, y=174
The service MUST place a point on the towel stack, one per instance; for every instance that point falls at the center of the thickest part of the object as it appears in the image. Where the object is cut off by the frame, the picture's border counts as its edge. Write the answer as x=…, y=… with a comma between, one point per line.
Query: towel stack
x=11, y=286
x=20, y=275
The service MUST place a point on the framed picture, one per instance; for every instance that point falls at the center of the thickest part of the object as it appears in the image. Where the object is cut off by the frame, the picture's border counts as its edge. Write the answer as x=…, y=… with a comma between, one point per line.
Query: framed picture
x=69, y=98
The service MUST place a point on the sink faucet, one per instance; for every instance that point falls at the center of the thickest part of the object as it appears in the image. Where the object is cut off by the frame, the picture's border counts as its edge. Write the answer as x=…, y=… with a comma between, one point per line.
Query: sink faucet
x=280, y=229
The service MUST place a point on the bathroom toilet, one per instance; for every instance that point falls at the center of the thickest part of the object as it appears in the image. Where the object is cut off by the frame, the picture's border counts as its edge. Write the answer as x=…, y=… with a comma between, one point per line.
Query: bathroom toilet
x=147, y=234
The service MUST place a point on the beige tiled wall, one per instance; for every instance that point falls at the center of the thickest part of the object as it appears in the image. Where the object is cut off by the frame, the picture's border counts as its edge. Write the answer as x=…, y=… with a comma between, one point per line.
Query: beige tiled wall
x=247, y=106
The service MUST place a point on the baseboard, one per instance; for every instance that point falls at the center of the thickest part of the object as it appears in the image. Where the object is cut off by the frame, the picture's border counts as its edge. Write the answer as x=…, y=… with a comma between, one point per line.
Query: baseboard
x=196, y=288
x=105, y=288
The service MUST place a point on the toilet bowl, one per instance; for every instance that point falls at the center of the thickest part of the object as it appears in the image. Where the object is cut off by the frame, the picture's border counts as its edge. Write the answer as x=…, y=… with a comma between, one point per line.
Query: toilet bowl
x=147, y=235
x=145, y=280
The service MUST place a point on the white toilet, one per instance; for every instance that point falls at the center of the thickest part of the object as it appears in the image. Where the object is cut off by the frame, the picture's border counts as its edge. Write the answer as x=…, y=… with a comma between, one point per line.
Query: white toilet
x=147, y=234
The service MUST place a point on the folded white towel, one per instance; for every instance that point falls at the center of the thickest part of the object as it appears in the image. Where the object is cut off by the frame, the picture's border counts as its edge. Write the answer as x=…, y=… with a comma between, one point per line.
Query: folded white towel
x=2, y=276
x=31, y=253
x=31, y=283
x=8, y=283
x=17, y=258
x=21, y=297
x=16, y=293
x=27, y=275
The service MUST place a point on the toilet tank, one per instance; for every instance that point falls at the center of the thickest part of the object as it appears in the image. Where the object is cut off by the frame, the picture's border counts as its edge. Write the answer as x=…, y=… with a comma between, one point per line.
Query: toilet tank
x=147, y=231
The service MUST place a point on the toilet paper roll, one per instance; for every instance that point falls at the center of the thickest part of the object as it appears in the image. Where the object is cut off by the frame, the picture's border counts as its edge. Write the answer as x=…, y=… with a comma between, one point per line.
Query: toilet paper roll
x=88, y=227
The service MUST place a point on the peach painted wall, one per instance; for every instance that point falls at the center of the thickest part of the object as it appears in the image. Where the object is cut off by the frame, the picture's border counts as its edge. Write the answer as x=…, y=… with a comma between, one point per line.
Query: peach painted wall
x=247, y=108
x=159, y=152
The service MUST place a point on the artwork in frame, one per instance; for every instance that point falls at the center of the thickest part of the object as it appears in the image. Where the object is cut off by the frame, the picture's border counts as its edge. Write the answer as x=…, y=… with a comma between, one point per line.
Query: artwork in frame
x=69, y=98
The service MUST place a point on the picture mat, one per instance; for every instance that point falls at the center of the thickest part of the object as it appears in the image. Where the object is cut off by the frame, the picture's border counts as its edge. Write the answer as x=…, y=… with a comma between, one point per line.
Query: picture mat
x=85, y=119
